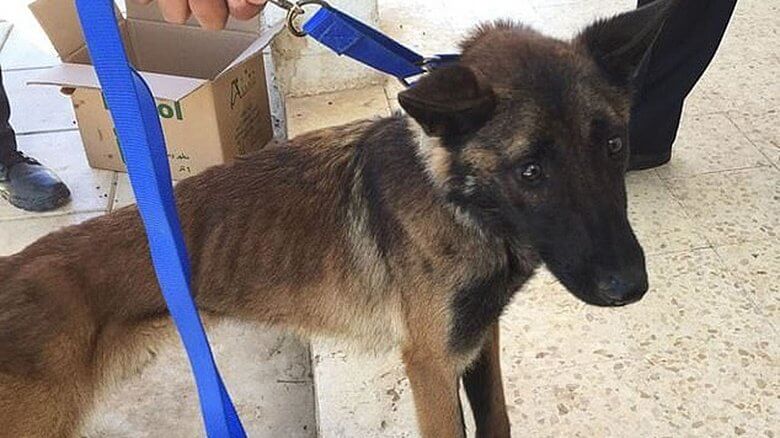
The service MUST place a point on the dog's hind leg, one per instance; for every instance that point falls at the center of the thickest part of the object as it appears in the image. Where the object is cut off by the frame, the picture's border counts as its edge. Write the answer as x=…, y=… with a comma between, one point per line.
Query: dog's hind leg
x=435, y=382
x=485, y=390
x=39, y=409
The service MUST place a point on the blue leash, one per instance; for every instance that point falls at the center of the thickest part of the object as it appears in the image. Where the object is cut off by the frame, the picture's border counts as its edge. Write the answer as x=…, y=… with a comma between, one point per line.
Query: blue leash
x=141, y=140
x=140, y=135
x=350, y=37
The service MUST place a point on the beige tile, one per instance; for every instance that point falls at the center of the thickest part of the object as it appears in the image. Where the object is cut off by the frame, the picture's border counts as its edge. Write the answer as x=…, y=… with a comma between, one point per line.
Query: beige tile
x=763, y=130
x=751, y=33
x=732, y=207
x=267, y=375
x=315, y=112
x=15, y=235
x=64, y=154
x=361, y=395
x=658, y=219
x=587, y=401
x=570, y=370
x=25, y=49
x=709, y=143
x=36, y=108
x=756, y=265
x=726, y=91
x=625, y=398
x=696, y=308
x=546, y=327
x=28, y=45
x=731, y=390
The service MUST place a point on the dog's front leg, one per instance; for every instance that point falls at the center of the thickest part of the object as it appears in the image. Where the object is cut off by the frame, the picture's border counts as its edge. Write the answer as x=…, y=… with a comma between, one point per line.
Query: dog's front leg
x=435, y=383
x=485, y=390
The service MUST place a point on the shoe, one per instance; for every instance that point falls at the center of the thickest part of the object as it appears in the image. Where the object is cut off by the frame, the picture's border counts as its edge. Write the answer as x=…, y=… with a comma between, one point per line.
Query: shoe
x=29, y=185
x=648, y=161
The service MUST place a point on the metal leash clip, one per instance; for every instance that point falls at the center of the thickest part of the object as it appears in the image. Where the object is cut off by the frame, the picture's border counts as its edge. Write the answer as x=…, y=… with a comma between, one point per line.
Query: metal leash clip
x=295, y=10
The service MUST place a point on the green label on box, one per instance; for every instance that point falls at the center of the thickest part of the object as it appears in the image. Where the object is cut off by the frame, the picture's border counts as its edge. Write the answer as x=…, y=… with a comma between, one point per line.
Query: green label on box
x=165, y=110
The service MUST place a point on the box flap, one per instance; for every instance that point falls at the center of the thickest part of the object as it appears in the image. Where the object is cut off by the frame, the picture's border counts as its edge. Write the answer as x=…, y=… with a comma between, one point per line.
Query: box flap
x=264, y=39
x=59, y=20
x=151, y=12
x=185, y=51
x=83, y=76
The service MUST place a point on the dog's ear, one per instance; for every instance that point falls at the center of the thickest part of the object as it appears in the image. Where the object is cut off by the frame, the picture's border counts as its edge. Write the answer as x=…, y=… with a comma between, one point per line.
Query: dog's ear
x=450, y=101
x=619, y=44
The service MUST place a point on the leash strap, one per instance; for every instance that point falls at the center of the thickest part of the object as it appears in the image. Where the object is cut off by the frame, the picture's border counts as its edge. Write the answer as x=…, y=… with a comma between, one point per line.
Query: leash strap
x=141, y=140
x=348, y=36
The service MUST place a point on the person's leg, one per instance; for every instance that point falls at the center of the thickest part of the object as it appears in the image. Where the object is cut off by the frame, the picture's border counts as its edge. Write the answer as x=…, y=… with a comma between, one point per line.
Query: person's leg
x=684, y=49
x=23, y=180
x=7, y=134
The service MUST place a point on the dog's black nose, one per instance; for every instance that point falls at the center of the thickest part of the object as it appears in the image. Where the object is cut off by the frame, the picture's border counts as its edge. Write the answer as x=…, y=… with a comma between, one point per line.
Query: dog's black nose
x=619, y=289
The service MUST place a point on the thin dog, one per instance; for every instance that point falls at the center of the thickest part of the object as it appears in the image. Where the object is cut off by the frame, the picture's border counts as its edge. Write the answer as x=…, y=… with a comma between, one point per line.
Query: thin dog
x=409, y=232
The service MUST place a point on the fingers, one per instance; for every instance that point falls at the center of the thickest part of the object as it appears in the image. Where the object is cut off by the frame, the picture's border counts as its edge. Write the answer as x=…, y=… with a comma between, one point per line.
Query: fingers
x=211, y=14
x=244, y=9
x=174, y=11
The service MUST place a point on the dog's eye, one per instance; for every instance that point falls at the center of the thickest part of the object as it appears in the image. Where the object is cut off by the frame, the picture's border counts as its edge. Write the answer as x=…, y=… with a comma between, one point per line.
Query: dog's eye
x=530, y=172
x=615, y=145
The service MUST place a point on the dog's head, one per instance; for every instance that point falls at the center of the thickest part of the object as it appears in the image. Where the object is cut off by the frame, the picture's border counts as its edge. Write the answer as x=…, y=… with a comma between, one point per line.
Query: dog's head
x=529, y=135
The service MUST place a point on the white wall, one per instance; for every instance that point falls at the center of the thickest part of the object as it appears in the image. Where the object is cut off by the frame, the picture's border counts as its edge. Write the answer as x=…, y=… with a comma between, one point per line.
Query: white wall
x=305, y=67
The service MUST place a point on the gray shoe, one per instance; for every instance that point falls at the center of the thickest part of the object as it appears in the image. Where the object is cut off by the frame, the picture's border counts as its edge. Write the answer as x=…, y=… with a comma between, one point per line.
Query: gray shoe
x=29, y=185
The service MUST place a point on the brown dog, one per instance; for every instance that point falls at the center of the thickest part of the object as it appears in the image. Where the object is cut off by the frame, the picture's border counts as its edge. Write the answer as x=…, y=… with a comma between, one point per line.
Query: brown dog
x=410, y=232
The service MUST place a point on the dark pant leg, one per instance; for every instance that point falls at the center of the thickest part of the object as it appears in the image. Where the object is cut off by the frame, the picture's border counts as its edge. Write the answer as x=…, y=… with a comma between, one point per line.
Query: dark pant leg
x=684, y=49
x=7, y=135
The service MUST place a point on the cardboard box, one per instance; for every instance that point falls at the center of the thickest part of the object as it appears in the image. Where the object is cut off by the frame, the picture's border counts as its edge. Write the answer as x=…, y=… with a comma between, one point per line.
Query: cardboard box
x=210, y=87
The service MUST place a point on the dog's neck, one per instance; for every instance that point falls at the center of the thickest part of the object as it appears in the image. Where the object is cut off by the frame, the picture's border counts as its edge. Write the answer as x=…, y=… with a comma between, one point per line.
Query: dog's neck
x=437, y=160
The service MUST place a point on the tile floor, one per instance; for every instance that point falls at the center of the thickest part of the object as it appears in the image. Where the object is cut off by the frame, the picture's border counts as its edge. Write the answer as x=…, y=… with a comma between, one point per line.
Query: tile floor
x=698, y=357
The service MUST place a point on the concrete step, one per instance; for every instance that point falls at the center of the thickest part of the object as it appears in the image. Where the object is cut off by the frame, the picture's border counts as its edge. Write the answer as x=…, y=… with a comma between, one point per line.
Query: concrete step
x=267, y=373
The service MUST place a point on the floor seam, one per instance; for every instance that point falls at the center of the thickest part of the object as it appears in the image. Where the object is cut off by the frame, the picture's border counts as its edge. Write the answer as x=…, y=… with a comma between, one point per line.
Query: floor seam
x=714, y=172
x=51, y=215
x=112, y=192
x=746, y=137
x=17, y=69
x=46, y=131
x=683, y=207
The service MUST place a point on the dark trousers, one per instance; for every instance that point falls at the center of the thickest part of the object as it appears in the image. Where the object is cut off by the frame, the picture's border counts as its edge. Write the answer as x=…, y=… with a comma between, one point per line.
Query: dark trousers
x=7, y=136
x=683, y=50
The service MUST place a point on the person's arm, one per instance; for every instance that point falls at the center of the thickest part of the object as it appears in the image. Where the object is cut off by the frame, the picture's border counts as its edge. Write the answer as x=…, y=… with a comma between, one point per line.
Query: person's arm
x=211, y=14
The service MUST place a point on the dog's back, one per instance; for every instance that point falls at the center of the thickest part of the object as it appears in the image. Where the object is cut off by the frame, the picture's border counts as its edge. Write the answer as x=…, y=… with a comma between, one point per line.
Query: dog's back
x=303, y=236
x=83, y=300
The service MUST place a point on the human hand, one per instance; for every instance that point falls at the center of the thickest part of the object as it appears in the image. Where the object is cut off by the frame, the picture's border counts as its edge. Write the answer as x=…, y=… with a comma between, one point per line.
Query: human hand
x=211, y=14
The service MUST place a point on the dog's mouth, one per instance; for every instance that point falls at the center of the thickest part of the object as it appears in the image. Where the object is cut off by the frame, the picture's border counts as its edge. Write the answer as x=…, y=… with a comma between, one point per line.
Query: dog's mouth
x=603, y=301
x=602, y=293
